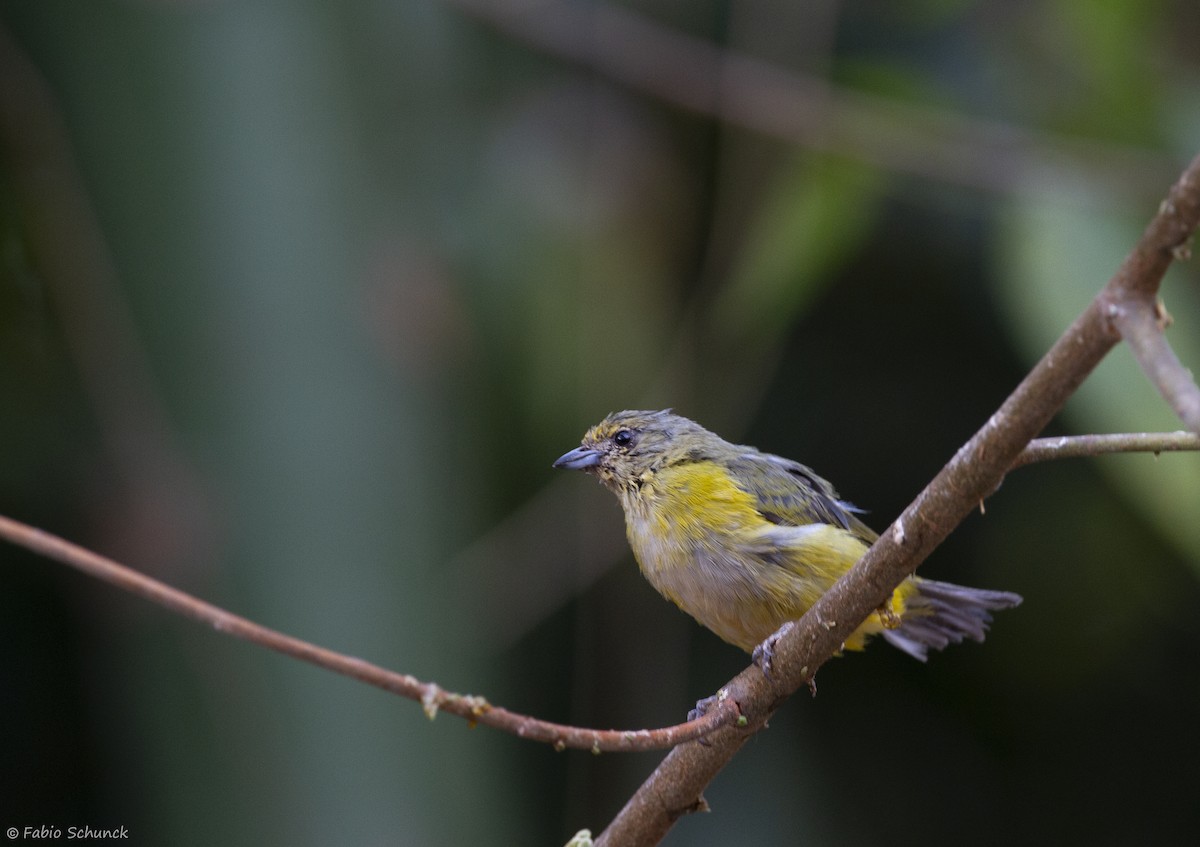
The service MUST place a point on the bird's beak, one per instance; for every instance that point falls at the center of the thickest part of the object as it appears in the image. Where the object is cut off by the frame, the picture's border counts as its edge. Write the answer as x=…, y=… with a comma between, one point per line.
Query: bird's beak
x=579, y=459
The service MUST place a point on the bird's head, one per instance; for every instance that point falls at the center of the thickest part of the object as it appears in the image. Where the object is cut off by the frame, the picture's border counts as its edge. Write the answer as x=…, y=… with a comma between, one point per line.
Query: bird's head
x=626, y=448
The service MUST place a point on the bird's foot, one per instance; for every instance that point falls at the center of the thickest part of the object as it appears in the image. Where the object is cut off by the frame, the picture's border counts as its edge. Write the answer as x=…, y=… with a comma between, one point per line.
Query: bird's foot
x=702, y=706
x=764, y=653
x=887, y=615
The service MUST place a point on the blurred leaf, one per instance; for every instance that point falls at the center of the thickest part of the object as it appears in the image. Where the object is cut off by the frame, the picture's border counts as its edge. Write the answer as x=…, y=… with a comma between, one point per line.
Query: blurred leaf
x=820, y=211
x=1106, y=45
x=1082, y=69
x=1054, y=254
x=1180, y=113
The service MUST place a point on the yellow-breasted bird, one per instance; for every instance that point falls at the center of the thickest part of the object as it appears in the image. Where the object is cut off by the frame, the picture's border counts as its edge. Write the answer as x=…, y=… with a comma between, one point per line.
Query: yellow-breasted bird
x=744, y=541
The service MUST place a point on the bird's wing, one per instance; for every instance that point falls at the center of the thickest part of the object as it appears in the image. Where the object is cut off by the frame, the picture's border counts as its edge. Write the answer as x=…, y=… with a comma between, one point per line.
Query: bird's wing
x=791, y=494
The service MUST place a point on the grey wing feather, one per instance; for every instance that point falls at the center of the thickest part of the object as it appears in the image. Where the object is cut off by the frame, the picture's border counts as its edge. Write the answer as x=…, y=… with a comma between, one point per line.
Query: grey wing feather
x=791, y=494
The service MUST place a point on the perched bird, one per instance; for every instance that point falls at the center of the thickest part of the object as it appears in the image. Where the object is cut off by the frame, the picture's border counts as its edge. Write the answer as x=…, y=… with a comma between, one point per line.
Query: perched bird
x=744, y=541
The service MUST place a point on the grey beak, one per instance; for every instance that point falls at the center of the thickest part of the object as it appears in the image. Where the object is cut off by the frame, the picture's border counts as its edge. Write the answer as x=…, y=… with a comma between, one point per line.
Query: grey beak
x=579, y=459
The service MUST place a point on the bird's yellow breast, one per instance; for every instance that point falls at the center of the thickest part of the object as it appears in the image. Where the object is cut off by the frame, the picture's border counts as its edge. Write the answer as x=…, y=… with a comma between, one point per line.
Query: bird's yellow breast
x=689, y=502
x=701, y=541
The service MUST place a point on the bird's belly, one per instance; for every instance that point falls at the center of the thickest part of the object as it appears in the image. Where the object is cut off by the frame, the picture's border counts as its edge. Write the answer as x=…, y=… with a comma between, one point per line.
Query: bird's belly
x=737, y=595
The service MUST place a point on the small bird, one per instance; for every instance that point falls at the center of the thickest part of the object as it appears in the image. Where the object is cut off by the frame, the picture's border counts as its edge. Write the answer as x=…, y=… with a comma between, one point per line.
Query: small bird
x=744, y=541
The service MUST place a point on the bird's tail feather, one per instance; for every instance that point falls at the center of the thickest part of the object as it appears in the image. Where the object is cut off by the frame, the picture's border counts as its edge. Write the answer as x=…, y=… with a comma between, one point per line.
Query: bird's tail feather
x=943, y=613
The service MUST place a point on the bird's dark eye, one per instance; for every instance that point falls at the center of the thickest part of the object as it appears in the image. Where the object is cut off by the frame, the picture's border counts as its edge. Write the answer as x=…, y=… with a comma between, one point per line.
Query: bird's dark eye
x=623, y=438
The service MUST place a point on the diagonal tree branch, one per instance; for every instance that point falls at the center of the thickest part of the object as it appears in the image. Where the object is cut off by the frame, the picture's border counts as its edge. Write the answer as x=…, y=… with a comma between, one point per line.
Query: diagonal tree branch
x=676, y=786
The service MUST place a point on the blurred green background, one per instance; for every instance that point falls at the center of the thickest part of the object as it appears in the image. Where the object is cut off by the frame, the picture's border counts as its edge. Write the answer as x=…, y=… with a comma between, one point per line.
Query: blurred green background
x=299, y=301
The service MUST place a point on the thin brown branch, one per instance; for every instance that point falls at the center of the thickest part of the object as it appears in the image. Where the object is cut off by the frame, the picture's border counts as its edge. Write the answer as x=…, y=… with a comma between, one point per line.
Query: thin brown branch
x=1140, y=320
x=431, y=696
x=676, y=786
x=1077, y=446
x=805, y=110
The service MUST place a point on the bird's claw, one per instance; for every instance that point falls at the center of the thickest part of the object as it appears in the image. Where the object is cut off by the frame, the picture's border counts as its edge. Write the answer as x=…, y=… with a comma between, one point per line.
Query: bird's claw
x=887, y=615
x=764, y=653
x=703, y=705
